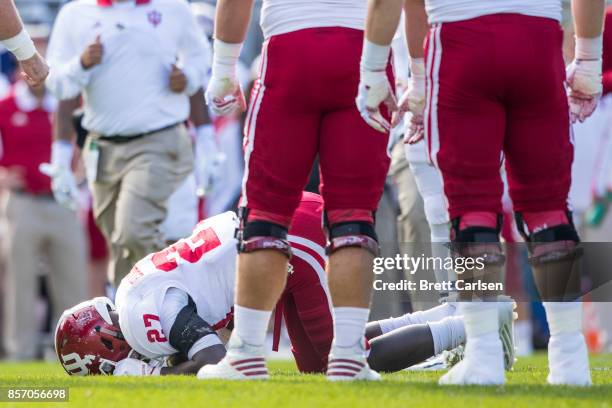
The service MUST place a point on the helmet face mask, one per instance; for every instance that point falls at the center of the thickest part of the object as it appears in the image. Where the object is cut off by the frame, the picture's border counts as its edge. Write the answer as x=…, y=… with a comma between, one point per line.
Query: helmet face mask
x=86, y=340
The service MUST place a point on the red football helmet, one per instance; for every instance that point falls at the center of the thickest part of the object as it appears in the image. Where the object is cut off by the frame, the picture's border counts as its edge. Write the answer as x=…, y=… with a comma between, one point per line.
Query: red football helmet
x=87, y=342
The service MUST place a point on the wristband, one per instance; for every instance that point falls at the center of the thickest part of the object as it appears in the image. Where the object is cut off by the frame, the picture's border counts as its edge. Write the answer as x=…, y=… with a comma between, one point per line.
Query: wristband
x=589, y=48
x=20, y=45
x=374, y=57
x=417, y=68
x=61, y=154
x=225, y=59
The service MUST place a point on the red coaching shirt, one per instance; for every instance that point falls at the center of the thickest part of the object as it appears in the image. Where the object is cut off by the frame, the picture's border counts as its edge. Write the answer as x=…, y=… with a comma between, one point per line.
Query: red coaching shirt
x=26, y=135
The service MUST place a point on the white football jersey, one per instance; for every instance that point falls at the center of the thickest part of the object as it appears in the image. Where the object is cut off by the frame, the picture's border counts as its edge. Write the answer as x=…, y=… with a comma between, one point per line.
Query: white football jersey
x=444, y=11
x=203, y=265
x=284, y=16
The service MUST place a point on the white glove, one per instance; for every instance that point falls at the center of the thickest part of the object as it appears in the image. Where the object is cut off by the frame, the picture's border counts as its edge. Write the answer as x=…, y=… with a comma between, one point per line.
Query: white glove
x=133, y=367
x=584, y=78
x=208, y=159
x=224, y=94
x=413, y=101
x=63, y=182
x=374, y=87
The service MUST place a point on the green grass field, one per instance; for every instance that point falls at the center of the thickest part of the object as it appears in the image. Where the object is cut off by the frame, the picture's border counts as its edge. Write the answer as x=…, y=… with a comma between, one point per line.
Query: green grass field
x=525, y=387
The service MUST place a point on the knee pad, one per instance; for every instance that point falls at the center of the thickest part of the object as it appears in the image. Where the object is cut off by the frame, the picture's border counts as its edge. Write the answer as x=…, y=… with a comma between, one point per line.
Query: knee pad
x=476, y=240
x=260, y=234
x=481, y=244
x=352, y=234
x=555, y=256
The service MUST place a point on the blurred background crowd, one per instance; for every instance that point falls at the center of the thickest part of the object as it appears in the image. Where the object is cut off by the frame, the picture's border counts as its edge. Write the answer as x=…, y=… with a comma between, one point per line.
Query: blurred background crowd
x=52, y=257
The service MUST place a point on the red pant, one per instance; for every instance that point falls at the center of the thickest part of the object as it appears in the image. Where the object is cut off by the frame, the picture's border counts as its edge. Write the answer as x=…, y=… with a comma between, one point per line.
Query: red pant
x=495, y=88
x=303, y=105
x=305, y=304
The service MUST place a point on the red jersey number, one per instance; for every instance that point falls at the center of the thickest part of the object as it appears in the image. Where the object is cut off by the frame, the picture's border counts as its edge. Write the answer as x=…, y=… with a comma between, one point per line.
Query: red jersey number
x=153, y=335
x=204, y=241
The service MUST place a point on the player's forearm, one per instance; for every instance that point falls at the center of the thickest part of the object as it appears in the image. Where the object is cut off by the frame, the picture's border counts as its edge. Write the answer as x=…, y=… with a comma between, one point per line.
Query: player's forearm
x=232, y=20
x=62, y=119
x=10, y=23
x=210, y=355
x=382, y=20
x=588, y=17
x=416, y=27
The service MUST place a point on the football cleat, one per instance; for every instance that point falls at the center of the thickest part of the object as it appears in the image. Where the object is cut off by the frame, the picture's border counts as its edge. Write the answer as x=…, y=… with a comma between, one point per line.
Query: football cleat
x=568, y=360
x=482, y=364
x=507, y=316
x=349, y=364
x=242, y=362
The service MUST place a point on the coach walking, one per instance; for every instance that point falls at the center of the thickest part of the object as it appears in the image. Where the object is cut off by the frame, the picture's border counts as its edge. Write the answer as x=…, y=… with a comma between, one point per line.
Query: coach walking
x=136, y=62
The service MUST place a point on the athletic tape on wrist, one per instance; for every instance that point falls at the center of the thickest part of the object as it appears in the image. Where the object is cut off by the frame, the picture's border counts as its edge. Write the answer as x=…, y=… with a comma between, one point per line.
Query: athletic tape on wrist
x=225, y=59
x=589, y=48
x=374, y=57
x=20, y=45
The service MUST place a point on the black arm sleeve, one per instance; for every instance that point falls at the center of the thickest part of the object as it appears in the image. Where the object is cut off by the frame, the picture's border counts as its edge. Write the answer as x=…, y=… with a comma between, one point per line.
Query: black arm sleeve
x=188, y=328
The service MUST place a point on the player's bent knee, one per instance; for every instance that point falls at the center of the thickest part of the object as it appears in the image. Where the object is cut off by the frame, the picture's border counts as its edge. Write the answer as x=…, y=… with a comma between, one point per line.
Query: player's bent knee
x=360, y=234
x=256, y=235
x=476, y=238
x=555, y=256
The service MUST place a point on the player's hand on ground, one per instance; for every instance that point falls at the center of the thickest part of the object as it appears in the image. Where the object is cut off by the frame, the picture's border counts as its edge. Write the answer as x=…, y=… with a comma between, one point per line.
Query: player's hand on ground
x=93, y=54
x=375, y=90
x=63, y=184
x=35, y=70
x=178, y=79
x=133, y=367
x=584, y=88
x=224, y=96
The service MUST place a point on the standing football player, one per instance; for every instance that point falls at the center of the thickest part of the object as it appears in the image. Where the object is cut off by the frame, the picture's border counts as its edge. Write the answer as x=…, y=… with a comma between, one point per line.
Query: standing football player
x=495, y=81
x=302, y=106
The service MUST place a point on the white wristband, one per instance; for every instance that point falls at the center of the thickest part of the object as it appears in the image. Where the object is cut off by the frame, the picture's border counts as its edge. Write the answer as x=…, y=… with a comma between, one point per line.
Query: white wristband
x=20, y=45
x=225, y=59
x=589, y=48
x=374, y=57
x=417, y=68
x=61, y=154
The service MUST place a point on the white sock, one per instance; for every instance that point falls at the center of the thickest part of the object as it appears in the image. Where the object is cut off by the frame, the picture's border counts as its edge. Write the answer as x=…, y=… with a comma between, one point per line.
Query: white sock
x=447, y=333
x=349, y=325
x=431, y=315
x=563, y=317
x=480, y=318
x=250, y=325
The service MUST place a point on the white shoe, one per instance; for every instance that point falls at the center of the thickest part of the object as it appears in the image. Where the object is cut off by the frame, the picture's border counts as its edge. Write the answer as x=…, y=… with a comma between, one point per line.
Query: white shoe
x=507, y=316
x=568, y=360
x=349, y=364
x=434, y=363
x=242, y=362
x=482, y=365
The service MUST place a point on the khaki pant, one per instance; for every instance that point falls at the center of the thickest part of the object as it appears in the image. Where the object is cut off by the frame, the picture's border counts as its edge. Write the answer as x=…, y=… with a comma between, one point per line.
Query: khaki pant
x=36, y=227
x=413, y=230
x=131, y=190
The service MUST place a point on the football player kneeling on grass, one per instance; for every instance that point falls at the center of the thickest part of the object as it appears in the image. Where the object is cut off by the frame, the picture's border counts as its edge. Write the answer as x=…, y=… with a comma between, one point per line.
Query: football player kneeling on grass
x=173, y=311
